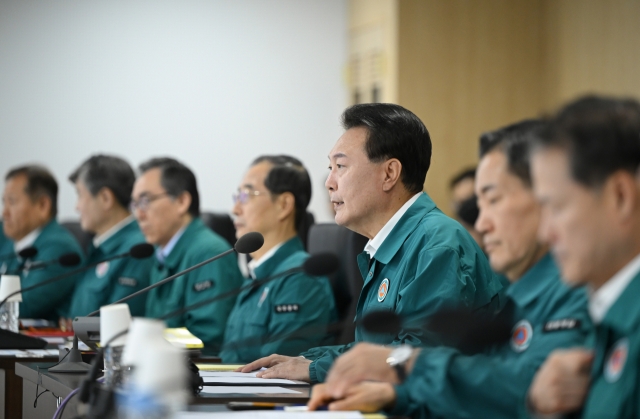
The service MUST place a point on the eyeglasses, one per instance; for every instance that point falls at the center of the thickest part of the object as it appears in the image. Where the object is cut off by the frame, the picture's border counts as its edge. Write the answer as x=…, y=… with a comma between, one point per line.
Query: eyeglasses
x=143, y=203
x=243, y=196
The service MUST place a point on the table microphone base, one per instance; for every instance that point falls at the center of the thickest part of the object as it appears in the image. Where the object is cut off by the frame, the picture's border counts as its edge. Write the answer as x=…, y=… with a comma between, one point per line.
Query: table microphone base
x=73, y=363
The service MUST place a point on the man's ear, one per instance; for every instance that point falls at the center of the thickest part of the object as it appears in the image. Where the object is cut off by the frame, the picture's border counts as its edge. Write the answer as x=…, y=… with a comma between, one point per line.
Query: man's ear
x=106, y=198
x=392, y=172
x=286, y=205
x=43, y=205
x=184, y=202
x=622, y=190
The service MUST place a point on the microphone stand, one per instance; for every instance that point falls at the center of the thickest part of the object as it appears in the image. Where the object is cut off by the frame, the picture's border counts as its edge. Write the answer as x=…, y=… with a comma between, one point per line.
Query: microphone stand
x=164, y=281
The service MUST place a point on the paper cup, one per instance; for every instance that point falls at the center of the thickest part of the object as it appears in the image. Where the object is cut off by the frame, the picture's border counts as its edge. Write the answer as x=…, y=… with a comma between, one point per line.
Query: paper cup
x=8, y=285
x=114, y=319
x=144, y=334
x=162, y=372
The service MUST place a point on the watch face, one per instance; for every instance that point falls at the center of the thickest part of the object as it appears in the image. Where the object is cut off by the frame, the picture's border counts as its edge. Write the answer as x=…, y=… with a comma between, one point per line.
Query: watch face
x=400, y=355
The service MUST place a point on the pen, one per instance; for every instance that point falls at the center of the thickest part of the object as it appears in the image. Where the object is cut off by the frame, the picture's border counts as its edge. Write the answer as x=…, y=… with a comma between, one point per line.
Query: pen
x=253, y=405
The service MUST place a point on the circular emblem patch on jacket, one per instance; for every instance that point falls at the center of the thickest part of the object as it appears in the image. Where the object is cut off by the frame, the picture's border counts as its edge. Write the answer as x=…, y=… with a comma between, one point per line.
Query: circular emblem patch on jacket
x=383, y=289
x=102, y=269
x=521, y=336
x=617, y=358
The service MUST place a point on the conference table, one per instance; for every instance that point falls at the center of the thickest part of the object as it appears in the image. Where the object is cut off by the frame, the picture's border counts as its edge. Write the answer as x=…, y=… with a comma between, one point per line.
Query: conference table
x=11, y=385
x=57, y=386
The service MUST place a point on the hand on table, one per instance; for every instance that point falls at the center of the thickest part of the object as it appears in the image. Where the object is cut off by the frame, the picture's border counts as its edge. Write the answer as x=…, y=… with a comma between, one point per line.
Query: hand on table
x=365, y=397
x=364, y=362
x=280, y=366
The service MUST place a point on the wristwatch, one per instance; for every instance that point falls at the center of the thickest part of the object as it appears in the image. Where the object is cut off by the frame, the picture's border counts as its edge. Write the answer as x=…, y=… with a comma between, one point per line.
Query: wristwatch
x=398, y=359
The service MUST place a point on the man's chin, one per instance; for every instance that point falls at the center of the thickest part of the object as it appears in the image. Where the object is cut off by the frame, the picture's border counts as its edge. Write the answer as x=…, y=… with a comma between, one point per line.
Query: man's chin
x=340, y=219
x=151, y=240
x=573, y=278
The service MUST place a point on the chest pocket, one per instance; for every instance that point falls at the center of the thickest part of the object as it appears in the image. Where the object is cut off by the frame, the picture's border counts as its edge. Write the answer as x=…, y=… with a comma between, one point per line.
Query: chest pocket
x=252, y=322
x=99, y=280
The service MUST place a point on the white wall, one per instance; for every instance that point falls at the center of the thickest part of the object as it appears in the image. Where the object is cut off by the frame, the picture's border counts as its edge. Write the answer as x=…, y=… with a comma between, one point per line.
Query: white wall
x=212, y=83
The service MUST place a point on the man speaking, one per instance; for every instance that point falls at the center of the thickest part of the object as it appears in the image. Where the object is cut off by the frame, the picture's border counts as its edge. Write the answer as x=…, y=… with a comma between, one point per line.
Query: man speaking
x=417, y=259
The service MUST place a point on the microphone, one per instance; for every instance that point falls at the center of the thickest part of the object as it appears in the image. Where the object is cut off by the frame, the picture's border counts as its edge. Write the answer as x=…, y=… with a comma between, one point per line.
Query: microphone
x=320, y=264
x=68, y=259
x=26, y=253
x=248, y=243
x=462, y=328
x=138, y=251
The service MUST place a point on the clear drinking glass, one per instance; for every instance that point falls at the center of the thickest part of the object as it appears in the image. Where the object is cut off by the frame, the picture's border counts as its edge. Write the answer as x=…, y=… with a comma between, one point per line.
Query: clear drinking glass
x=9, y=314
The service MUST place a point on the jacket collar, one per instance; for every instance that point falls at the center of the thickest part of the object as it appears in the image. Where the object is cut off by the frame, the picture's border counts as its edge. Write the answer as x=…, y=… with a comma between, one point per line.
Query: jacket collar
x=31, y=239
x=269, y=266
x=104, y=240
x=174, y=258
x=405, y=226
x=535, y=282
x=624, y=314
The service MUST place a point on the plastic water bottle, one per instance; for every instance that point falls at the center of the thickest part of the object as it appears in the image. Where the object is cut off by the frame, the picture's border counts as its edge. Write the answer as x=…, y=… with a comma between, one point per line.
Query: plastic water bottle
x=9, y=313
x=10, y=310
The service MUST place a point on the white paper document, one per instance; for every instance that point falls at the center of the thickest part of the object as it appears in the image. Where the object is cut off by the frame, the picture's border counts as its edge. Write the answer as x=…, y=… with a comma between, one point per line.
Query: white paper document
x=228, y=374
x=29, y=353
x=248, y=380
x=268, y=414
x=247, y=390
x=242, y=378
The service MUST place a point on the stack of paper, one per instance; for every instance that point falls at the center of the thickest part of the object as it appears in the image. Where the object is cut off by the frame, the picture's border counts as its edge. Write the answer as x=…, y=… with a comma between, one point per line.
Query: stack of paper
x=273, y=414
x=224, y=382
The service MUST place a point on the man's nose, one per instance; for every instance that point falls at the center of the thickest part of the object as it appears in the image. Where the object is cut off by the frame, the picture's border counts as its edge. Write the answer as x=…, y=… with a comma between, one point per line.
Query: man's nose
x=237, y=208
x=330, y=183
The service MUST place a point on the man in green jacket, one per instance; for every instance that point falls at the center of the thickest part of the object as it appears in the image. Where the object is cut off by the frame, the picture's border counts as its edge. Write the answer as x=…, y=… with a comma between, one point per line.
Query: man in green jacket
x=545, y=314
x=586, y=177
x=418, y=259
x=167, y=206
x=30, y=206
x=104, y=185
x=290, y=314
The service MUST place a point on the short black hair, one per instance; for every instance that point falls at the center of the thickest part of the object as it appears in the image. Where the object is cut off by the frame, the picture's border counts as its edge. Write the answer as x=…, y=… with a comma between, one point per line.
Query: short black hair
x=514, y=141
x=394, y=132
x=601, y=135
x=40, y=182
x=175, y=178
x=101, y=171
x=468, y=173
x=288, y=174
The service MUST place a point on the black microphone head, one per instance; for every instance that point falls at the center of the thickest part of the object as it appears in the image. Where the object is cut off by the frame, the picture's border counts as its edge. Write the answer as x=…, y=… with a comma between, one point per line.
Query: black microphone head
x=28, y=252
x=249, y=243
x=141, y=251
x=382, y=322
x=469, y=330
x=69, y=259
x=321, y=264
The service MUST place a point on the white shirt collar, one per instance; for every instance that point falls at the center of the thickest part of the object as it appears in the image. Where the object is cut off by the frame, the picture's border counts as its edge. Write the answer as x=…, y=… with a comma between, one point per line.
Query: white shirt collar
x=254, y=263
x=98, y=240
x=27, y=240
x=374, y=244
x=601, y=300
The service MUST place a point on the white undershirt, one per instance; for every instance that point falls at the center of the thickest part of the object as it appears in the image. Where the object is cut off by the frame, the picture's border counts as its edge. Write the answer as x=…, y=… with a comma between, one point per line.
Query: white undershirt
x=374, y=244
